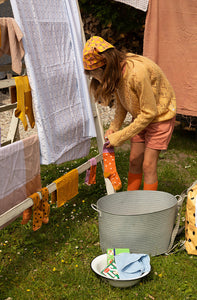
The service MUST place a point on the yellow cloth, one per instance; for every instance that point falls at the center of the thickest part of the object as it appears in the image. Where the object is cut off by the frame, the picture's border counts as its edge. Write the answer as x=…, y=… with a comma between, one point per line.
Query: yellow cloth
x=91, y=57
x=24, y=101
x=190, y=222
x=146, y=94
x=67, y=188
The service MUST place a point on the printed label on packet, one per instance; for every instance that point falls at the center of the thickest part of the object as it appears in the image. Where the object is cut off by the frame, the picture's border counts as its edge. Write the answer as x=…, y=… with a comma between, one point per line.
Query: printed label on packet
x=110, y=271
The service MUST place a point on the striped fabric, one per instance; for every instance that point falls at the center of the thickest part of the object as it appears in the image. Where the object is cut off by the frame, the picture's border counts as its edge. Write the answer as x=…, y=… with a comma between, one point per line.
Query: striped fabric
x=19, y=172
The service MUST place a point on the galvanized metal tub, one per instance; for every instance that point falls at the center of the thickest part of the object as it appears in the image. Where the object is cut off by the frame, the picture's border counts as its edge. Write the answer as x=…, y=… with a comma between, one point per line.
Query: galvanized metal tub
x=140, y=220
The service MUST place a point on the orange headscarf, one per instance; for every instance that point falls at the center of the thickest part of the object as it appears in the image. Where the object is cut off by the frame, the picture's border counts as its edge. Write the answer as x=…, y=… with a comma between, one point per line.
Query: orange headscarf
x=91, y=57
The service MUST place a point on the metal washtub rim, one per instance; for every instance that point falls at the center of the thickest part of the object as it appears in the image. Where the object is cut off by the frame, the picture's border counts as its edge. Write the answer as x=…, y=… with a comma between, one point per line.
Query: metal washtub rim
x=139, y=214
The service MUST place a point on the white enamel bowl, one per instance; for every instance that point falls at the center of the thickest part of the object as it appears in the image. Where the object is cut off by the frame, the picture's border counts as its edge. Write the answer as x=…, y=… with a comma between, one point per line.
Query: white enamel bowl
x=100, y=262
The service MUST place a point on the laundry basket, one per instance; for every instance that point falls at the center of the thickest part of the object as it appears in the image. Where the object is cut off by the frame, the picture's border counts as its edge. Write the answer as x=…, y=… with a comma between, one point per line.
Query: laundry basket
x=140, y=220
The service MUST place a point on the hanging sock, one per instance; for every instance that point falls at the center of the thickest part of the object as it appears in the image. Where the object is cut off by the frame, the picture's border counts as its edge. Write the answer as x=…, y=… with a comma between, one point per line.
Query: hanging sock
x=37, y=212
x=45, y=205
x=91, y=172
x=134, y=181
x=110, y=167
x=24, y=101
x=150, y=187
x=67, y=188
x=41, y=209
x=26, y=216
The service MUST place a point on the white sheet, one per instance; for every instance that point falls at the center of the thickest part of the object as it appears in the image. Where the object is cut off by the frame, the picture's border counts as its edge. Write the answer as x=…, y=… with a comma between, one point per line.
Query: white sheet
x=53, y=58
x=139, y=4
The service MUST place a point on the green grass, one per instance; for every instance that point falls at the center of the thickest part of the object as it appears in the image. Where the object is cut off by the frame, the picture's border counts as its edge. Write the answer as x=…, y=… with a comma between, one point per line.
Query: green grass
x=54, y=262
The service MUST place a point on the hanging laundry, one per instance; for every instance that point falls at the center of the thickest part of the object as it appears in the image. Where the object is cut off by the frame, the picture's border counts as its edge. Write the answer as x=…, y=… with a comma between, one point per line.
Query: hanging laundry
x=191, y=221
x=19, y=172
x=91, y=172
x=67, y=188
x=41, y=209
x=110, y=170
x=139, y=4
x=53, y=58
x=170, y=40
x=26, y=215
x=24, y=101
x=11, y=42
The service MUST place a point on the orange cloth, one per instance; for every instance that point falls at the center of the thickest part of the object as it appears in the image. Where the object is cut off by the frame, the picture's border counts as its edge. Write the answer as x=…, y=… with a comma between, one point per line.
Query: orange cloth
x=45, y=205
x=11, y=42
x=170, y=41
x=110, y=167
x=41, y=209
x=92, y=178
x=91, y=172
x=91, y=57
x=26, y=215
x=67, y=188
x=134, y=181
x=150, y=187
x=24, y=101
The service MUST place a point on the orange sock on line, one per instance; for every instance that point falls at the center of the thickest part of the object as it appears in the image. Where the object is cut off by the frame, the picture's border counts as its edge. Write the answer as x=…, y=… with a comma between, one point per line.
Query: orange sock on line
x=150, y=187
x=26, y=216
x=134, y=181
x=110, y=167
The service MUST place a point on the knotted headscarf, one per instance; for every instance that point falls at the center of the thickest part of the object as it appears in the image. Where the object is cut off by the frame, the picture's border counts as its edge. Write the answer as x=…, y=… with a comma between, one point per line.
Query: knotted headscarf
x=91, y=57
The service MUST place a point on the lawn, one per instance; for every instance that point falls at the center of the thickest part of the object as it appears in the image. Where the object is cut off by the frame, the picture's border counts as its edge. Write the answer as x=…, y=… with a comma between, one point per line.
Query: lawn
x=54, y=262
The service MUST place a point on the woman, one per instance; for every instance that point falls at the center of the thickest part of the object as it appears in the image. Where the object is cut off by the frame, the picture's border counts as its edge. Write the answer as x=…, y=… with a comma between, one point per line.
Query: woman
x=140, y=88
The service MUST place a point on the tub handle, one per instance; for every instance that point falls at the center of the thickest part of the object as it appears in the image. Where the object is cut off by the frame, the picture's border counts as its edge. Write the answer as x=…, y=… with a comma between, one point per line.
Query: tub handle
x=180, y=199
x=94, y=206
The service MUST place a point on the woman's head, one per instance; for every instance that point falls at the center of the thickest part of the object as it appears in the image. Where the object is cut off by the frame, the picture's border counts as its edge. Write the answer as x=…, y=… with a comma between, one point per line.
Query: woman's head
x=102, y=62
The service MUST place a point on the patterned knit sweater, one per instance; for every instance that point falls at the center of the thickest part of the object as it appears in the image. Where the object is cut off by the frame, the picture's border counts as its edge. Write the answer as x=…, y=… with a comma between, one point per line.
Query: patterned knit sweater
x=146, y=94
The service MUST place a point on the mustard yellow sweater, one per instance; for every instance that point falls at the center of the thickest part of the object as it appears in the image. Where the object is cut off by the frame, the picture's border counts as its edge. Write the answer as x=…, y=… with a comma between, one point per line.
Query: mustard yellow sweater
x=146, y=94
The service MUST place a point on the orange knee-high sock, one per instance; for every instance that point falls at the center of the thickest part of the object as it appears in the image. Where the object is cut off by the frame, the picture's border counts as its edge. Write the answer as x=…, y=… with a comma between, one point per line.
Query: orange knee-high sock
x=134, y=181
x=110, y=167
x=150, y=187
x=26, y=215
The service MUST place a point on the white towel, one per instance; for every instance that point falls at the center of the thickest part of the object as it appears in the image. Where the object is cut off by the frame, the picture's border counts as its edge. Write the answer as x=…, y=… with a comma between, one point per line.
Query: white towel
x=53, y=57
x=139, y=4
x=19, y=172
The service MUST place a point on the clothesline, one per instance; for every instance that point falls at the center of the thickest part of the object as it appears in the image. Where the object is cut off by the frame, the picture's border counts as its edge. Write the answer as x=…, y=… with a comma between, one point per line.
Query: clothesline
x=18, y=209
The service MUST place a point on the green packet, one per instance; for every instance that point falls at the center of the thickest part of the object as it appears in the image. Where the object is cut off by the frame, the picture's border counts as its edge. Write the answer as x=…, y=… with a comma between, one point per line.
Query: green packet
x=110, y=271
x=111, y=252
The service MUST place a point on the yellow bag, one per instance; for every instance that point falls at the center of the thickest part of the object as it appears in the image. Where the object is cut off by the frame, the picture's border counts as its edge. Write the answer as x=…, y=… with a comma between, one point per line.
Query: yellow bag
x=191, y=220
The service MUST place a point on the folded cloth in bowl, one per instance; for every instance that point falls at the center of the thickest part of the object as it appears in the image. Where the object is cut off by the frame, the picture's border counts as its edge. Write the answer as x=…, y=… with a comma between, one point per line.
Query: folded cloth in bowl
x=132, y=265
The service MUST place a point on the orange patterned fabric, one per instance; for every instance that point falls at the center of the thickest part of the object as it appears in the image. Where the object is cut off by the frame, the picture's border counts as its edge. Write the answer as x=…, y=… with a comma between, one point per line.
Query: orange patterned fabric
x=91, y=57
x=191, y=221
x=110, y=170
x=41, y=208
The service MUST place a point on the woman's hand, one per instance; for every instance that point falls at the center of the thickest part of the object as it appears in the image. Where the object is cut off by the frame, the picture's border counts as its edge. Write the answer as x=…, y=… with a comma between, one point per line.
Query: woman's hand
x=108, y=132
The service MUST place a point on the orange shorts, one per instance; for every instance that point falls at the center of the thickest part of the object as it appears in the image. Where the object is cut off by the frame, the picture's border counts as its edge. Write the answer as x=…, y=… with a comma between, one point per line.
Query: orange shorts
x=156, y=135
